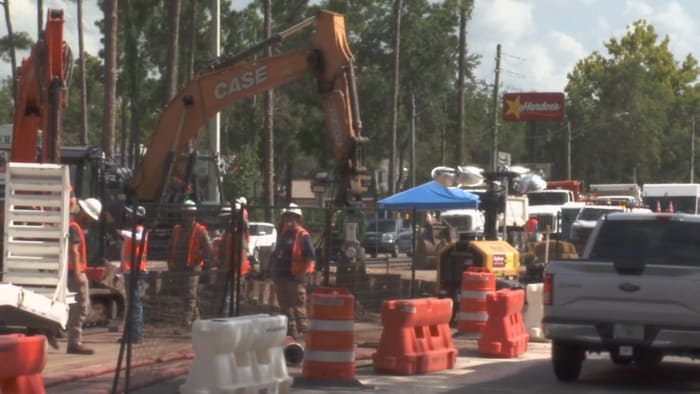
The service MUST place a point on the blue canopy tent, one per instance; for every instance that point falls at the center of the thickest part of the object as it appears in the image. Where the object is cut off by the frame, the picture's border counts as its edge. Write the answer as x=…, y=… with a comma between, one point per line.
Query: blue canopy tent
x=429, y=196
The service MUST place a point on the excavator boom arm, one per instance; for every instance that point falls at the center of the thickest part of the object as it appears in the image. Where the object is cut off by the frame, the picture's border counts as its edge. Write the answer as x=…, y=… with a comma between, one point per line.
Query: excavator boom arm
x=41, y=96
x=329, y=60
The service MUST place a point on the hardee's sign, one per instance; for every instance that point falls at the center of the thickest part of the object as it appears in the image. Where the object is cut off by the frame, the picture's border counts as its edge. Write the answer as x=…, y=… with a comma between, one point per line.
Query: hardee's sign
x=533, y=106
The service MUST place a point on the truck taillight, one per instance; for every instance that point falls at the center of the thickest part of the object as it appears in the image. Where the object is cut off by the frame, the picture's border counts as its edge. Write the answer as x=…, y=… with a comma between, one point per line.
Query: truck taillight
x=547, y=289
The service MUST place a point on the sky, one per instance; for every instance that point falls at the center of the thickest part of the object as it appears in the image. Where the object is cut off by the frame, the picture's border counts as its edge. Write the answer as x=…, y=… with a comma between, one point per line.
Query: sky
x=541, y=40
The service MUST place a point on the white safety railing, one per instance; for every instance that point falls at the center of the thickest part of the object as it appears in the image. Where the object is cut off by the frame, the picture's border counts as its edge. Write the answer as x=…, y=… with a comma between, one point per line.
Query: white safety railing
x=33, y=291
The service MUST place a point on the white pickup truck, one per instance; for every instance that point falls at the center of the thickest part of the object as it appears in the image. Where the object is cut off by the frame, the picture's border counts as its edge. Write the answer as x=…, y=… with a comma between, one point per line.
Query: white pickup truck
x=634, y=293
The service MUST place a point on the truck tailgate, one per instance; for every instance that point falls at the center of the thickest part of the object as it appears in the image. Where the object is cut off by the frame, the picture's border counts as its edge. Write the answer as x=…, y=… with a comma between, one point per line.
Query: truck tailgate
x=593, y=291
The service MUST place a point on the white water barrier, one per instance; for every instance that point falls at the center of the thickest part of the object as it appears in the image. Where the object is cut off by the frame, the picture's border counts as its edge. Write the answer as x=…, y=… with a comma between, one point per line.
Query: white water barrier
x=533, y=312
x=238, y=355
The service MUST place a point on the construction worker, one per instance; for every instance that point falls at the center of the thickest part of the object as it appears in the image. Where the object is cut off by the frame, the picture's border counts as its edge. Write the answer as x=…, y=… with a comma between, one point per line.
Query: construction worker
x=136, y=247
x=190, y=246
x=242, y=204
x=232, y=252
x=531, y=228
x=293, y=260
x=88, y=211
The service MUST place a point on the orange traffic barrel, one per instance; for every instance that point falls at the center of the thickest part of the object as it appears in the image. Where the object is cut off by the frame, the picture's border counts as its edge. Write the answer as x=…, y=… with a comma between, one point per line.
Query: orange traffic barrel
x=473, y=314
x=329, y=354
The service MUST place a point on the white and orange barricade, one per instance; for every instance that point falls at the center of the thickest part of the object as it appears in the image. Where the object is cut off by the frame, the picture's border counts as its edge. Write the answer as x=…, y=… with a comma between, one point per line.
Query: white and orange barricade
x=473, y=314
x=330, y=342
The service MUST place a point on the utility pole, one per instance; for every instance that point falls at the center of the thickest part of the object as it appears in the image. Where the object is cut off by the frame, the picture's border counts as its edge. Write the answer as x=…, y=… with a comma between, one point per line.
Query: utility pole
x=413, y=140
x=214, y=125
x=268, y=127
x=494, y=129
x=395, y=98
x=568, y=149
x=459, y=148
x=692, y=150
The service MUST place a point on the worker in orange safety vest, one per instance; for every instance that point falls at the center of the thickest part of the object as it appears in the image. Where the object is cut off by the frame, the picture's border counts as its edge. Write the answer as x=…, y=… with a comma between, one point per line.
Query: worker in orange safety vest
x=190, y=247
x=88, y=211
x=135, y=246
x=531, y=228
x=292, y=263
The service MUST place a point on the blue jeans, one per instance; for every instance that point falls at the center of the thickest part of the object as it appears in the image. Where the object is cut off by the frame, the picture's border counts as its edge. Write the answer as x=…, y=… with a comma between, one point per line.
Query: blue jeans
x=136, y=304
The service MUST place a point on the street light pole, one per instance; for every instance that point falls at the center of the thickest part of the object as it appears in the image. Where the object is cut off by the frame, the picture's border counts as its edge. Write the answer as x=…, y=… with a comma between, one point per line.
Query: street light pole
x=494, y=129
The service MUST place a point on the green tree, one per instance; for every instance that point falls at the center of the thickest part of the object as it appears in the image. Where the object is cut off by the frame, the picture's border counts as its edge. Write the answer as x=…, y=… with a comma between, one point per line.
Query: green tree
x=94, y=92
x=631, y=110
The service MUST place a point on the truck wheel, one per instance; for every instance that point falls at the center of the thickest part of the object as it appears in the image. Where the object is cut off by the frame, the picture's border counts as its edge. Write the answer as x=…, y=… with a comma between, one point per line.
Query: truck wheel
x=567, y=361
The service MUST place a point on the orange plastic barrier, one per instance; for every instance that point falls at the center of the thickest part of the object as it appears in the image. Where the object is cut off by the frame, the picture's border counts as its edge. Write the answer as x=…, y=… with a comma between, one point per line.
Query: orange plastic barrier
x=330, y=343
x=473, y=314
x=416, y=337
x=504, y=335
x=22, y=359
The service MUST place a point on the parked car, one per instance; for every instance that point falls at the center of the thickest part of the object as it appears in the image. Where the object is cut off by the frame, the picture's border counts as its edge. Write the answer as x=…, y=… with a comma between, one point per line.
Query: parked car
x=392, y=236
x=262, y=237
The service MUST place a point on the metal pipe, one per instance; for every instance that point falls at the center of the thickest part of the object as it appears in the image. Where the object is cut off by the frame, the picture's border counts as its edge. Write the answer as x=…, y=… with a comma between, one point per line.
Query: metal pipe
x=293, y=351
x=273, y=39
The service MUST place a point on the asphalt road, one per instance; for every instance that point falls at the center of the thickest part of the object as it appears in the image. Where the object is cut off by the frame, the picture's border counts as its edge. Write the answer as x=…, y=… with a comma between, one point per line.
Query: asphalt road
x=530, y=373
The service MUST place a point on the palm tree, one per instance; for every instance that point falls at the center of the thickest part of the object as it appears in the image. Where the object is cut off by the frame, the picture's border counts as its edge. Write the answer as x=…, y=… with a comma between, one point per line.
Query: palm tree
x=109, y=122
x=395, y=97
x=11, y=45
x=83, y=79
x=173, y=50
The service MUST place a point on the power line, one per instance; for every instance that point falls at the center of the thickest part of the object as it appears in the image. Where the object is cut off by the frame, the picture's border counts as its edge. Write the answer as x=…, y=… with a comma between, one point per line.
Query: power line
x=514, y=73
x=521, y=59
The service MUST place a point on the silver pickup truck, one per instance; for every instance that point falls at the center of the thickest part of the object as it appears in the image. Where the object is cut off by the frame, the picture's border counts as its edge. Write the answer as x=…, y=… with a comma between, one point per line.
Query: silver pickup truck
x=635, y=293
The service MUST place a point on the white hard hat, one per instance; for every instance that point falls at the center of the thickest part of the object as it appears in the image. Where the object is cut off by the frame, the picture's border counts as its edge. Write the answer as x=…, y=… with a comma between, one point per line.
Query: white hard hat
x=242, y=200
x=190, y=205
x=92, y=207
x=292, y=209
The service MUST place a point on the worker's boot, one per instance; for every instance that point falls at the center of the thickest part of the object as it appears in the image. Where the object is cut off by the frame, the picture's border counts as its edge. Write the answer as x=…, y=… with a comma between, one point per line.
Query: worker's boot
x=79, y=349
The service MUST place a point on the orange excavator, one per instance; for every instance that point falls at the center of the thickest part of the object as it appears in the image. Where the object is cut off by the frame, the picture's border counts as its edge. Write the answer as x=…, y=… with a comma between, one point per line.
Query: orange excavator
x=233, y=79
